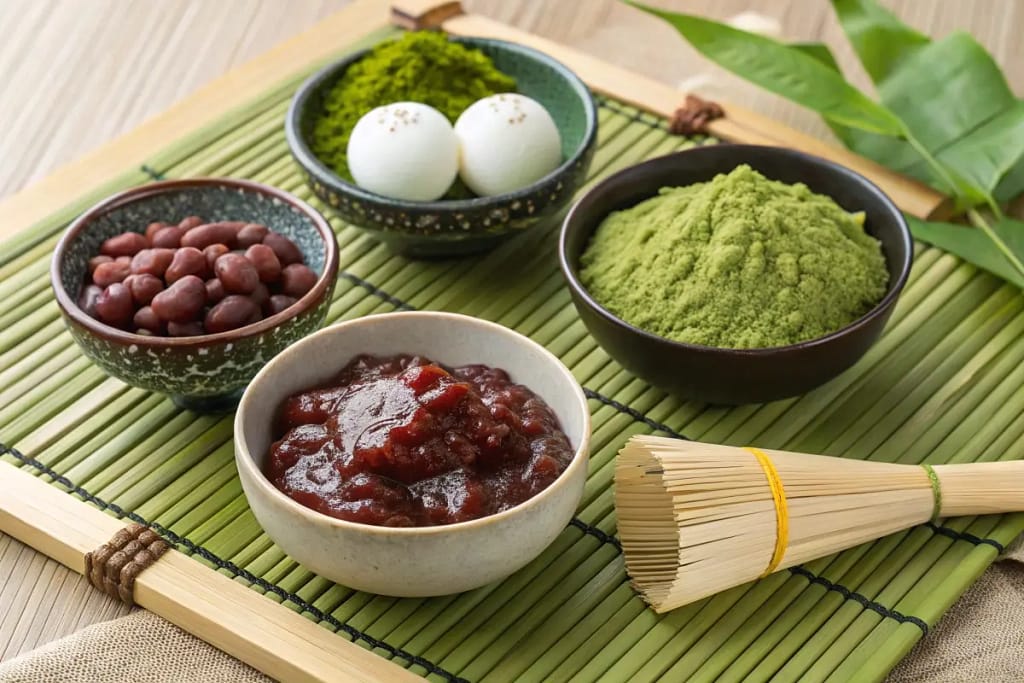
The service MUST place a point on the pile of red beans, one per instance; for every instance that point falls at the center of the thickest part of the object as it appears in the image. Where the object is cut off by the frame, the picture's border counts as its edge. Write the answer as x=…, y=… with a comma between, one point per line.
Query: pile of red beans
x=194, y=278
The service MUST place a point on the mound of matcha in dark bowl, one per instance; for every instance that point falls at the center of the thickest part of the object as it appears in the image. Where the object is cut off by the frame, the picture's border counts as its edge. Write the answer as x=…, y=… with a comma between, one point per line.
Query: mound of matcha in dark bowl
x=448, y=74
x=738, y=262
x=736, y=274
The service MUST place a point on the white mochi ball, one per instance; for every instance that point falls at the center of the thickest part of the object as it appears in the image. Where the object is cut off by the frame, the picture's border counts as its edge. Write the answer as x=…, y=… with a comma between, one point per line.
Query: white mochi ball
x=404, y=150
x=506, y=142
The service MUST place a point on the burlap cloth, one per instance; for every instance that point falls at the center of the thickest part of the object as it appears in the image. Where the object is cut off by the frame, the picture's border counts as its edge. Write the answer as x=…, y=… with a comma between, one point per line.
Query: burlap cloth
x=980, y=639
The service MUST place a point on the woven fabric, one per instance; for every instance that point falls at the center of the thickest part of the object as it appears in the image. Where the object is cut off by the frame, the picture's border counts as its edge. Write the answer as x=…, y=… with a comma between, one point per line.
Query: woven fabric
x=140, y=647
x=981, y=639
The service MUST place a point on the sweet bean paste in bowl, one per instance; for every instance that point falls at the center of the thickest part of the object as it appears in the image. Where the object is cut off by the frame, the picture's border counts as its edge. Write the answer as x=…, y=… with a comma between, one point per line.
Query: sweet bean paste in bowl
x=404, y=441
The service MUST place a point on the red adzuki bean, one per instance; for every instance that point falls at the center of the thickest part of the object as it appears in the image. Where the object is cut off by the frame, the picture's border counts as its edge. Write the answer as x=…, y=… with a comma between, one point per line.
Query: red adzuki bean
x=194, y=277
x=114, y=305
x=125, y=244
x=182, y=301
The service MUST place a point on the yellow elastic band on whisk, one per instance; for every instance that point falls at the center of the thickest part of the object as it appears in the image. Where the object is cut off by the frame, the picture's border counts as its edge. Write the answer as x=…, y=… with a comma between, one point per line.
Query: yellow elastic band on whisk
x=781, y=509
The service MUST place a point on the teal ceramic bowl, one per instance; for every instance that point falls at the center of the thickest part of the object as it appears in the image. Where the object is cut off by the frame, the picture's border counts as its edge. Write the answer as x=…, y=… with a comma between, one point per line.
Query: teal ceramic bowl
x=208, y=372
x=449, y=227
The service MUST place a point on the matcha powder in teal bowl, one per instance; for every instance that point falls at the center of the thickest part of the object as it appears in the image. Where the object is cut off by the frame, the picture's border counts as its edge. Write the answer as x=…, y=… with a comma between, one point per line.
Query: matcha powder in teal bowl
x=740, y=262
x=421, y=66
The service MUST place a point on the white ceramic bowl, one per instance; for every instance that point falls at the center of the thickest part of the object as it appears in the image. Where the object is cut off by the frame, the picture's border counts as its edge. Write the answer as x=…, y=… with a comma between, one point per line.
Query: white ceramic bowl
x=417, y=561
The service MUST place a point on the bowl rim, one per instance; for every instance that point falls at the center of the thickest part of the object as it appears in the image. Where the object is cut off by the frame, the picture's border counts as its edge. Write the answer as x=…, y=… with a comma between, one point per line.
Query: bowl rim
x=244, y=459
x=309, y=161
x=572, y=222
x=69, y=304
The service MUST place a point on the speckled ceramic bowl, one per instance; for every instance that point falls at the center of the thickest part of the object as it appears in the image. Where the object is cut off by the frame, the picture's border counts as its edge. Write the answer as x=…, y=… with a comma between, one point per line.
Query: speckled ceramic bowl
x=206, y=372
x=448, y=227
x=412, y=561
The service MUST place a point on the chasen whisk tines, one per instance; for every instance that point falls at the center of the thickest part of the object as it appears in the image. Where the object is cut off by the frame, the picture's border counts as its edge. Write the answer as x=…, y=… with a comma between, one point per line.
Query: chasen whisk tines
x=696, y=519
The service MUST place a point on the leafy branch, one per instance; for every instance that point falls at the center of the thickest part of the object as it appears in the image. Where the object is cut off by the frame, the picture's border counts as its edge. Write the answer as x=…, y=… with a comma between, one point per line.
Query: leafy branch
x=945, y=114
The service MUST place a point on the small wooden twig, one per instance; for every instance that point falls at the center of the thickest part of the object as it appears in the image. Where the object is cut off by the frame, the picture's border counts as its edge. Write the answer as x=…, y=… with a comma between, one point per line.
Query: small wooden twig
x=417, y=15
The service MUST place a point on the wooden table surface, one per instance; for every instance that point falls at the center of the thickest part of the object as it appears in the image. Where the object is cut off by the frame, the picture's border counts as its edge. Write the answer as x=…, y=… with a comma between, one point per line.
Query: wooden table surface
x=80, y=72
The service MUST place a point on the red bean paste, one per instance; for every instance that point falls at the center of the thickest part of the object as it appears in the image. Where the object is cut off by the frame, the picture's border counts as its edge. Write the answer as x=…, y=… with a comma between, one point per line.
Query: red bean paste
x=404, y=441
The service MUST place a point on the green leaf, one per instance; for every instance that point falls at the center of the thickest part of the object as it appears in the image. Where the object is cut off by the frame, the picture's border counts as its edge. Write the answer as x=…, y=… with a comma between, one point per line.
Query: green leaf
x=1011, y=185
x=979, y=153
x=785, y=71
x=881, y=41
x=990, y=151
x=886, y=150
x=807, y=80
x=971, y=119
x=947, y=115
x=977, y=245
x=946, y=90
x=971, y=124
x=819, y=51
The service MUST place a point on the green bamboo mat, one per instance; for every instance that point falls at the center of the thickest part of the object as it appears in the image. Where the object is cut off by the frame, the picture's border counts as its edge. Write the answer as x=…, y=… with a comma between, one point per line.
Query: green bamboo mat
x=944, y=384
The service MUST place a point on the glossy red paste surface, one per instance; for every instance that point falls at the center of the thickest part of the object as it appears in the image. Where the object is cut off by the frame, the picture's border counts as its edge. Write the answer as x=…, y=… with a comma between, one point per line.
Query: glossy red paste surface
x=402, y=441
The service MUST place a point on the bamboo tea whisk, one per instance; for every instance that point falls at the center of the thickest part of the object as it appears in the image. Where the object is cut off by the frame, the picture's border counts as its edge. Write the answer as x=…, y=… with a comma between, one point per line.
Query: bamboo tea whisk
x=695, y=519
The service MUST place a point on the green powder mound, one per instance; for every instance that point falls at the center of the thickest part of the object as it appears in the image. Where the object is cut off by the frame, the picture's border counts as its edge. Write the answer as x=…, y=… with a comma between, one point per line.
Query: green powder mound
x=418, y=67
x=738, y=262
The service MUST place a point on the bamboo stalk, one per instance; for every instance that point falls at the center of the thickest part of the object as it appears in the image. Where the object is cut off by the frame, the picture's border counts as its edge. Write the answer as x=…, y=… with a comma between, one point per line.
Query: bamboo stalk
x=274, y=640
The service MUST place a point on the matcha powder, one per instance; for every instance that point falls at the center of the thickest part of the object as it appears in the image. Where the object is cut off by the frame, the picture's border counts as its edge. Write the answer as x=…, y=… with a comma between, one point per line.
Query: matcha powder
x=738, y=262
x=421, y=67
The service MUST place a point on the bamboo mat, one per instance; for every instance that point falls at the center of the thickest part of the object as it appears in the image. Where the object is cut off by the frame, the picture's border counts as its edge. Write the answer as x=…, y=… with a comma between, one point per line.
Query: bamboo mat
x=943, y=385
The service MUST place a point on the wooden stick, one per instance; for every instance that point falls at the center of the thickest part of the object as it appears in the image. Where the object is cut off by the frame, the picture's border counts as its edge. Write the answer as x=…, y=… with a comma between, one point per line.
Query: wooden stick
x=739, y=124
x=243, y=83
x=262, y=633
x=416, y=15
x=981, y=488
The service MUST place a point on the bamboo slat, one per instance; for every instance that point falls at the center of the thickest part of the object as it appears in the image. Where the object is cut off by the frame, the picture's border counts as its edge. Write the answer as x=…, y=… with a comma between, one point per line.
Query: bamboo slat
x=943, y=384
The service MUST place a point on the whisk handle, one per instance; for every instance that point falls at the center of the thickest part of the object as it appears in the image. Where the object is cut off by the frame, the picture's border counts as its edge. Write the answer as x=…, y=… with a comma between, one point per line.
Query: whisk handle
x=981, y=488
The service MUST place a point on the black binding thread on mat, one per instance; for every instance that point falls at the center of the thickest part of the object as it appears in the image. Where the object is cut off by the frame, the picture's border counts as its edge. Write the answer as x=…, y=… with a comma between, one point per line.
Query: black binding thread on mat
x=152, y=173
x=596, y=533
x=376, y=291
x=863, y=601
x=220, y=563
x=633, y=413
x=964, y=536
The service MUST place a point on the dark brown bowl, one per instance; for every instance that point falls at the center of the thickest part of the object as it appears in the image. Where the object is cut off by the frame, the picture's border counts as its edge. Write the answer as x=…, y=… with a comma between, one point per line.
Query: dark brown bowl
x=736, y=376
x=204, y=372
